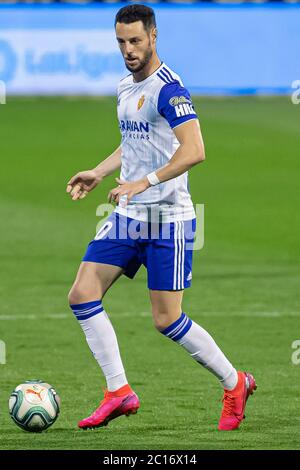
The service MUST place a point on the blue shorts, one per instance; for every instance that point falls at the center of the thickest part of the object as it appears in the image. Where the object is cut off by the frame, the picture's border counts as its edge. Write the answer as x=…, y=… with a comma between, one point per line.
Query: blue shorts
x=165, y=249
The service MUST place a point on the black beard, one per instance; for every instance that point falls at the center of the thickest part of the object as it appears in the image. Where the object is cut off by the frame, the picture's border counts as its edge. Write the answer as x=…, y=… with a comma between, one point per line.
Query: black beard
x=142, y=64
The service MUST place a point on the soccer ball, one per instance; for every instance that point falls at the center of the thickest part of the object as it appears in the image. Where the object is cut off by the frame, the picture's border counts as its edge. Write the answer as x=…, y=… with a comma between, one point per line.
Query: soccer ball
x=34, y=405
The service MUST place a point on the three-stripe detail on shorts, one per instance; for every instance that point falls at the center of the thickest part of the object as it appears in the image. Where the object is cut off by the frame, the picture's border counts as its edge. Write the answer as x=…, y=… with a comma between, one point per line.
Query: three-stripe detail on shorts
x=179, y=253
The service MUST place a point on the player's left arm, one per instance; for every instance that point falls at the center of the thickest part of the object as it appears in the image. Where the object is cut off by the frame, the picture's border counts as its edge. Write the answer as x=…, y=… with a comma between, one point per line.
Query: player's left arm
x=189, y=153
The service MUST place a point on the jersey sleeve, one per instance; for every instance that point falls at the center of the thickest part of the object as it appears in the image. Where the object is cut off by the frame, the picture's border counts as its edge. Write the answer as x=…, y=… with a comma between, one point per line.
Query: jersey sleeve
x=175, y=104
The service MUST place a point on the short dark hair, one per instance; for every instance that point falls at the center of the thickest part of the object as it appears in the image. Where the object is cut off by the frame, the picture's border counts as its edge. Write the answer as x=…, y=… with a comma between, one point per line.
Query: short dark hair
x=135, y=12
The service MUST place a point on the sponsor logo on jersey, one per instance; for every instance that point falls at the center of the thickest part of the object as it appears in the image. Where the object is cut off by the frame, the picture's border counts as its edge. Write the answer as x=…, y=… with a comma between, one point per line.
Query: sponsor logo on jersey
x=136, y=130
x=141, y=102
x=134, y=126
x=184, y=109
x=175, y=100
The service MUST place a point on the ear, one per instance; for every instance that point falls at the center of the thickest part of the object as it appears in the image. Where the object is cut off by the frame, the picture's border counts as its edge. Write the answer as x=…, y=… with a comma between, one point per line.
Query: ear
x=154, y=34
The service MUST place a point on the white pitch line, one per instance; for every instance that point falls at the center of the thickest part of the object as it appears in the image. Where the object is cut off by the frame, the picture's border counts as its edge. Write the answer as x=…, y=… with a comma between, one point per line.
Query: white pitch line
x=65, y=316
x=218, y=314
x=51, y=316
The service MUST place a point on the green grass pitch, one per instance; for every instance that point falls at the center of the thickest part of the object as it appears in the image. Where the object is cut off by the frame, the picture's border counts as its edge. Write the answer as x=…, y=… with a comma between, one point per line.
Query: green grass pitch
x=245, y=280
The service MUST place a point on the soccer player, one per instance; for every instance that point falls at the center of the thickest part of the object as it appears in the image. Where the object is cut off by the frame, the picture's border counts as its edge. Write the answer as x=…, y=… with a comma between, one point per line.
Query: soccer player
x=161, y=141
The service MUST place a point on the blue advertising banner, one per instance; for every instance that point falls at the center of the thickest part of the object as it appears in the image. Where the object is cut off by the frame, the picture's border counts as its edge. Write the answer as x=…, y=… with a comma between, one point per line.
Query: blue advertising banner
x=215, y=49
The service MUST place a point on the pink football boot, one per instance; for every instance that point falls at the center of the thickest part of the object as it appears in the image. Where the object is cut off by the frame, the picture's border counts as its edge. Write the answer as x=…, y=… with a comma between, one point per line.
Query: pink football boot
x=234, y=402
x=121, y=402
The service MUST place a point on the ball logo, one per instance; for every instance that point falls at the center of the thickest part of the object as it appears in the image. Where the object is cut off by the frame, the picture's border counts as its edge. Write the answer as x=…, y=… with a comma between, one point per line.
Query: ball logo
x=35, y=394
x=175, y=100
x=141, y=102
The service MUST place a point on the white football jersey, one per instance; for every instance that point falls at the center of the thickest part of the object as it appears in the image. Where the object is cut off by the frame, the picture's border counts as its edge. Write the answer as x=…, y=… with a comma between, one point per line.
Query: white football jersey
x=147, y=113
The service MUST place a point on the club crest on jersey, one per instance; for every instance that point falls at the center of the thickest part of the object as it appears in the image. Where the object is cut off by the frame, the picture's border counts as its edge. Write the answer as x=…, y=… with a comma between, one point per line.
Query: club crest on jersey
x=141, y=102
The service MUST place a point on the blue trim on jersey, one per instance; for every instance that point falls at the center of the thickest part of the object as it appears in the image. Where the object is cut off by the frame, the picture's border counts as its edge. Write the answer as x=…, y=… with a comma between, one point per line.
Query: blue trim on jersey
x=175, y=114
x=163, y=79
x=169, y=74
x=169, y=80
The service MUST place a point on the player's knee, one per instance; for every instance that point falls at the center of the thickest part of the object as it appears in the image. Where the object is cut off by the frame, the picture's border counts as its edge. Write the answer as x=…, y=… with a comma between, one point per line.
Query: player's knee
x=161, y=320
x=77, y=295
x=85, y=290
x=72, y=296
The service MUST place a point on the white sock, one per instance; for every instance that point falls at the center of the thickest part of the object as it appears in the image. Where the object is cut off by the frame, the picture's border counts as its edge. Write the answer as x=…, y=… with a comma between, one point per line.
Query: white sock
x=203, y=349
x=102, y=340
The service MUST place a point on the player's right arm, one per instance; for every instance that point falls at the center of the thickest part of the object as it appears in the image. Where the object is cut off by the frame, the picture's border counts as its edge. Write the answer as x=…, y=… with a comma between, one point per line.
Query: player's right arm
x=83, y=182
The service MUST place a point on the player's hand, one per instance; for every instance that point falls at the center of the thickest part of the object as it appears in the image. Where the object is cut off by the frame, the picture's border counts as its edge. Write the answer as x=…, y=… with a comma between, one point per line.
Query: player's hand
x=82, y=183
x=126, y=190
